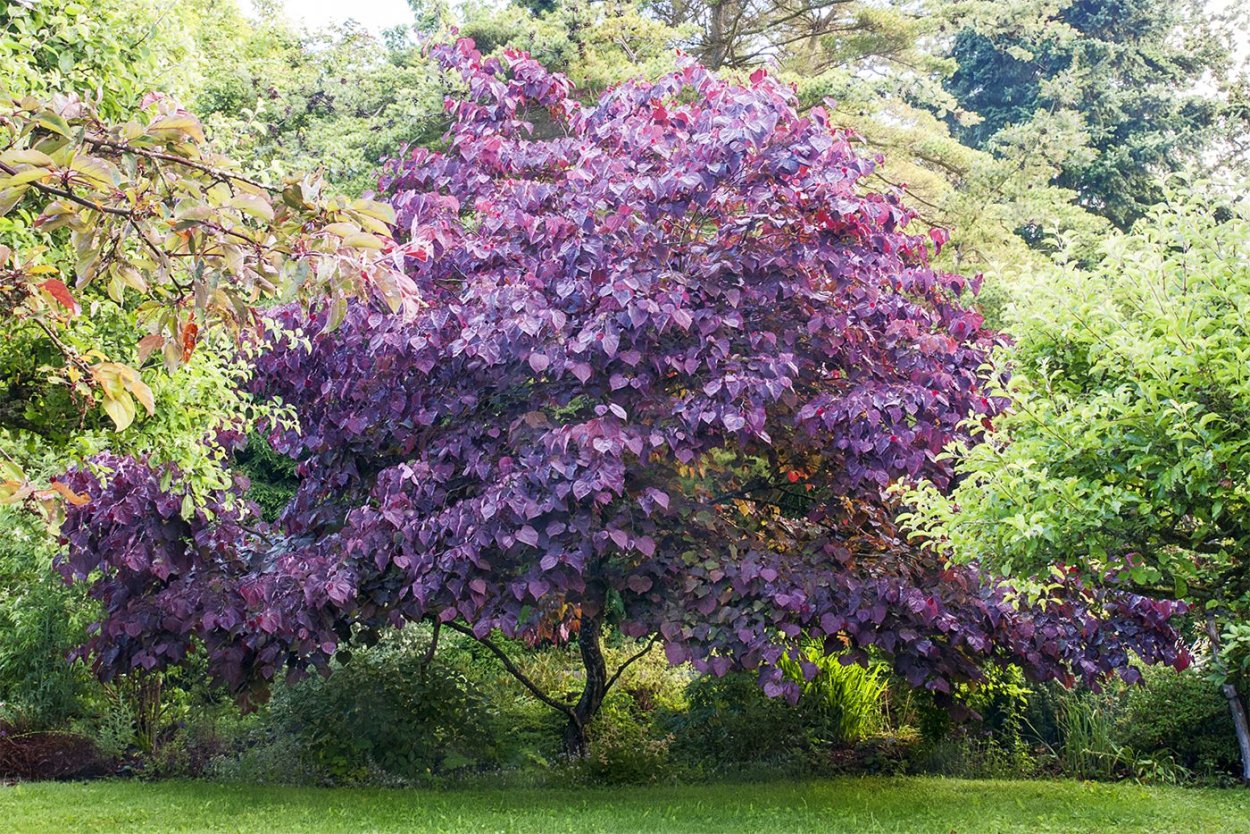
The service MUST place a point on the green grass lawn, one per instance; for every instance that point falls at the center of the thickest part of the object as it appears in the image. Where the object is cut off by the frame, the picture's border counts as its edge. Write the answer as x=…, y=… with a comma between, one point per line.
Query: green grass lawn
x=862, y=806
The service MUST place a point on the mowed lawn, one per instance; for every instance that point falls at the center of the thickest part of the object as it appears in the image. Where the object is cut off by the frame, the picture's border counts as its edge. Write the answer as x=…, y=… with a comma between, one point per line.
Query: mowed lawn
x=859, y=805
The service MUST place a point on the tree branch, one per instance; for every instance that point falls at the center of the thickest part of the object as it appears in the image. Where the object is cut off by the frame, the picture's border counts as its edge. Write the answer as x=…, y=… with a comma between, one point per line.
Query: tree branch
x=636, y=656
x=429, y=654
x=515, y=671
x=177, y=160
x=69, y=195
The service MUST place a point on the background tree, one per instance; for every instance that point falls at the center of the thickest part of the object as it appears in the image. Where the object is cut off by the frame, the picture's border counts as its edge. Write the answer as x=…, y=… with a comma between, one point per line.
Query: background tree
x=880, y=70
x=1126, y=448
x=671, y=361
x=1134, y=71
x=110, y=52
x=282, y=100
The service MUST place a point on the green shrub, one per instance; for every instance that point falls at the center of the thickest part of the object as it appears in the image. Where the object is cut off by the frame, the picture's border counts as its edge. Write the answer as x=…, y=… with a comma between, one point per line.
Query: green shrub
x=1089, y=746
x=41, y=622
x=209, y=736
x=1182, y=715
x=279, y=760
x=993, y=743
x=1173, y=727
x=846, y=701
x=381, y=719
x=729, y=720
x=383, y=711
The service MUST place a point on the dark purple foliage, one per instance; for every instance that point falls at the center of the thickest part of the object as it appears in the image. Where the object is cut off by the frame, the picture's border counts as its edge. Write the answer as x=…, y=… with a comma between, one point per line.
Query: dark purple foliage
x=673, y=354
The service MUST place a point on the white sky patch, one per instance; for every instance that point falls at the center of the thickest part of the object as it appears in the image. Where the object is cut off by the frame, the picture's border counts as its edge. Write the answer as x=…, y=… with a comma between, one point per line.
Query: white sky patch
x=375, y=15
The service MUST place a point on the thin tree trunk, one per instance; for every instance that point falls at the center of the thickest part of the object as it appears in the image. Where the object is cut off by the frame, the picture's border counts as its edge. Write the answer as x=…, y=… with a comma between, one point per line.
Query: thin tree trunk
x=1236, y=707
x=589, y=641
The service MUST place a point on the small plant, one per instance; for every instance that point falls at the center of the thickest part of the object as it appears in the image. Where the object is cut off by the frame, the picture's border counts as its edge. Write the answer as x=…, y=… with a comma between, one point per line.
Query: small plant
x=849, y=696
x=1089, y=749
x=113, y=730
x=1092, y=745
x=1162, y=770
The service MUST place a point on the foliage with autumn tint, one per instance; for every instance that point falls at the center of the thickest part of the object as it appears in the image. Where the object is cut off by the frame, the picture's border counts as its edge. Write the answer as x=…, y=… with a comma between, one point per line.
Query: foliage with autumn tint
x=672, y=359
x=170, y=231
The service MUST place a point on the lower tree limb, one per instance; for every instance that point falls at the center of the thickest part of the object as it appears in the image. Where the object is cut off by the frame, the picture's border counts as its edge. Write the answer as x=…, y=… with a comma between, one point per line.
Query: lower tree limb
x=430, y=652
x=513, y=669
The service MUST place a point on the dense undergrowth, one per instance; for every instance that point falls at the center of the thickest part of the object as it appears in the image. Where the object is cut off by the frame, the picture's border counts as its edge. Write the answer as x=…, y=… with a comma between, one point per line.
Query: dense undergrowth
x=390, y=716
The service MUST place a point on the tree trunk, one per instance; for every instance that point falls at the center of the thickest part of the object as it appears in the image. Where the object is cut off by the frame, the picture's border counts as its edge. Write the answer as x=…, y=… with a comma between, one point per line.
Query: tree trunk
x=589, y=642
x=1236, y=707
x=717, y=36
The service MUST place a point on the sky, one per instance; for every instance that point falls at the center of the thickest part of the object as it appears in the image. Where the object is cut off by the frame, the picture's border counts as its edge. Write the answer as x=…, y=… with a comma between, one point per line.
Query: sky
x=375, y=15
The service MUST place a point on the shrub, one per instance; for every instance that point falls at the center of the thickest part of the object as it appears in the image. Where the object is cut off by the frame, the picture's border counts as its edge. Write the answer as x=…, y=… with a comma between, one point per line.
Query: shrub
x=211, y=735
x=1089, y=747
x=381, y=719
x=383, y=710
x=845, y=699
x=730, y=721
x=26, y=754
x=276, y=760
x=41, y=622
x=1181, y=715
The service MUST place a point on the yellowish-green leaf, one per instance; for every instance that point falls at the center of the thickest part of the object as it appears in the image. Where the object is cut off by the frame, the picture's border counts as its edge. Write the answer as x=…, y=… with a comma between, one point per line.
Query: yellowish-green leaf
x=253, y=204
x=121, y=409
x=10, y=197
x=363, y=240
x=53, y=122
x=132, y=278
x=373, y=208
x=26, y=156
x=179, y=125
x=338, y=311
x=95, y=170
x=28, y=176
x=342, y=229
x=13, y=492
x=142, y=393
x=374, y=225
x=10, y=471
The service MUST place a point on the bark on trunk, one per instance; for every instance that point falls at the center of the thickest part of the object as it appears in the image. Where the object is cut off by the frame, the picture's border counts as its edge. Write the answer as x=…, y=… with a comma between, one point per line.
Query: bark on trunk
x=718, y=47
x=589, y=641
x=1236, y=707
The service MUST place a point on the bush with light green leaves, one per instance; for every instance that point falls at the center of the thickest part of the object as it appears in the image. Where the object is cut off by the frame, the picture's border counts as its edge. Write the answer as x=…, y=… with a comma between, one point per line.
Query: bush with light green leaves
x=1126, y=451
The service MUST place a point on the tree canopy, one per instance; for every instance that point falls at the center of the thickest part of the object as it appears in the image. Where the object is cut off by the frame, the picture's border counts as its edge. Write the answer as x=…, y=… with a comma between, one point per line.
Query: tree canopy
x=669, y=361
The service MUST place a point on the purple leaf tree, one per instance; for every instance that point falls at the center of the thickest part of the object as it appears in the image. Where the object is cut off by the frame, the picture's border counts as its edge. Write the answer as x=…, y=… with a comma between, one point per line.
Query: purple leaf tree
x=672, y=357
